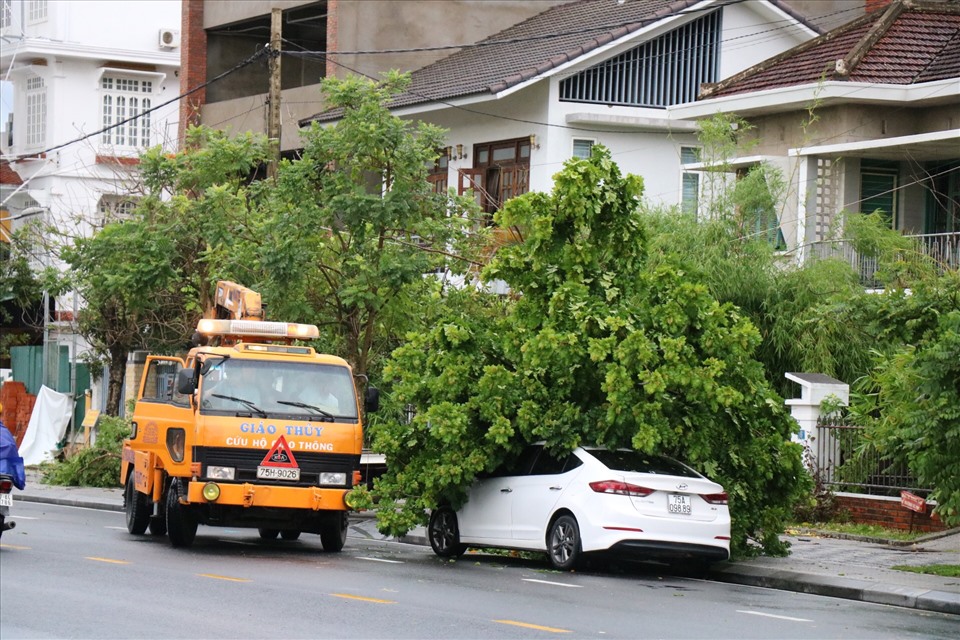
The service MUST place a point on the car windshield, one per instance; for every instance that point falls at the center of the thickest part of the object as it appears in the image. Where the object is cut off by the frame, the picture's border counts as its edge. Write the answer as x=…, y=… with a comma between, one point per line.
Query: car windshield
x=300, y=388
x=636, y=462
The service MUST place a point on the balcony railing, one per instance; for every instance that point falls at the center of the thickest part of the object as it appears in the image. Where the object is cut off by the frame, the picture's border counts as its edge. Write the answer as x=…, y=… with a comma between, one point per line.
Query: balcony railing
x=942, y=248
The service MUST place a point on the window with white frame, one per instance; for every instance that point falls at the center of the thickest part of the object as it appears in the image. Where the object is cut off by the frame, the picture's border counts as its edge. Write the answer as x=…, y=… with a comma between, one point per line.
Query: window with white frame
x=125, y=106
x=582, y=147
x=6, y=13
x=114, y=208
x=36, y=95
x=690, y=188
x=36, y=11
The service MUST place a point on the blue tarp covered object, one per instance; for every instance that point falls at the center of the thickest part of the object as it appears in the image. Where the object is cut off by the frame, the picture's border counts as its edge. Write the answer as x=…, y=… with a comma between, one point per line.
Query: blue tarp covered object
x=10, y=461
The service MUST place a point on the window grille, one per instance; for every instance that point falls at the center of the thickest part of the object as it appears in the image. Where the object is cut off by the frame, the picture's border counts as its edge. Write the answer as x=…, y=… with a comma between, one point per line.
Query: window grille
x=126, y=105
x=690, y=188
x=113, y=208
x=36, y=112
x=665, y=71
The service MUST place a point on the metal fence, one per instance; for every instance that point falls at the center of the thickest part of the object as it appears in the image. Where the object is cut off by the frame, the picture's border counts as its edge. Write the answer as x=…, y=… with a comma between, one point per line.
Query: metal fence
x=847, y=461
x=942, y=248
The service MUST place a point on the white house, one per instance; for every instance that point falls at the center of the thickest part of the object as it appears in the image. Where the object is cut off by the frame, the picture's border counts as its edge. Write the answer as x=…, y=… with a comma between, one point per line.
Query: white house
x=521, y=102
x=94, y=84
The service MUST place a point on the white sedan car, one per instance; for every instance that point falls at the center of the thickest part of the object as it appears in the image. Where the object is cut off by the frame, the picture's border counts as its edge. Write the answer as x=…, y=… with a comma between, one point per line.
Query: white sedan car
x=592, y=500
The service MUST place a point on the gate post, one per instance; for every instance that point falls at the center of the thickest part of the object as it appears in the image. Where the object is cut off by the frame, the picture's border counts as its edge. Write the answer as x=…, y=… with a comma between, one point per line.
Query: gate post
x=814, y=389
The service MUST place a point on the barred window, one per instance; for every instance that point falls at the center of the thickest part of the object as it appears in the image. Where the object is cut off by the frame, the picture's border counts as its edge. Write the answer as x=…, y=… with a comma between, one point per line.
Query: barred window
x=116, y=208
x=126, y=105
x=662, y=72
x=6, y=14
x=36, y=111
x=690, y=196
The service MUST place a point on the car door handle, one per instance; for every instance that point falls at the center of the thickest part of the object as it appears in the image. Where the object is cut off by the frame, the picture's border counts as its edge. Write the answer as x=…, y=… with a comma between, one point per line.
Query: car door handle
x=506, y=490
x=555, y=488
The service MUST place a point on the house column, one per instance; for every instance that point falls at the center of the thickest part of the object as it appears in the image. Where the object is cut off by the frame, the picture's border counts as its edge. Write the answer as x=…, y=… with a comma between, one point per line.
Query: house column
x=821, y=449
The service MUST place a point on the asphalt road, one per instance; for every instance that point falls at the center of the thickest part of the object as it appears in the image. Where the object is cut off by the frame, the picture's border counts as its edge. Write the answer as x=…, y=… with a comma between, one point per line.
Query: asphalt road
x=67, y=572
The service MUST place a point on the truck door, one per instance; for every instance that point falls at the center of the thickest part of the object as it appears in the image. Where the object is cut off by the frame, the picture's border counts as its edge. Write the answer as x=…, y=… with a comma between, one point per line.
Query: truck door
x=163, y=418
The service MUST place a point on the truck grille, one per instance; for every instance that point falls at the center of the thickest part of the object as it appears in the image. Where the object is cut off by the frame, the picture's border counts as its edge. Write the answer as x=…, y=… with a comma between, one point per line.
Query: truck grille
x=246, y=462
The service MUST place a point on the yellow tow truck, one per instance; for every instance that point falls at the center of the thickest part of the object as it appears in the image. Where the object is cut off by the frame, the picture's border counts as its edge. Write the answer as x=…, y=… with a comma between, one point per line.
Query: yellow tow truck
x=250, y=429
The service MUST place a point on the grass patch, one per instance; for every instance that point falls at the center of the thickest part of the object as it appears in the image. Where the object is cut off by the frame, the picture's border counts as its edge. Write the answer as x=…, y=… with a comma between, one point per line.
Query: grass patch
x=867, y=530
x=944, y=570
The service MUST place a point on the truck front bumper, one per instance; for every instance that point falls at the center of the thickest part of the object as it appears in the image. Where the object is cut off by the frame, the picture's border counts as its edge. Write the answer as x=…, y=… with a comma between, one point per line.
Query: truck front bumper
x=258, y=495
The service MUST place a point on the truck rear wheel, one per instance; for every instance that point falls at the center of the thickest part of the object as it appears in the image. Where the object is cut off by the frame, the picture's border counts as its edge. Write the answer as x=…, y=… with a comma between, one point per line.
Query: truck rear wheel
x=290, y=534
x=137, y=507
x=268, y=534
x=181, y=524
x=333, y=532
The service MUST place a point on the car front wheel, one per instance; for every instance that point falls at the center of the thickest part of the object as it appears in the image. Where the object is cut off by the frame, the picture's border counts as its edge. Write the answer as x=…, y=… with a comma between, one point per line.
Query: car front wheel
x=563, y=543
x=444, y=533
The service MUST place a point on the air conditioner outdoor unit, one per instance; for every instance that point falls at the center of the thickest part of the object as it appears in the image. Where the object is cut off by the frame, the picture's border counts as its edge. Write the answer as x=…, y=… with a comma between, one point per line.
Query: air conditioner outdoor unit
x=169, y=38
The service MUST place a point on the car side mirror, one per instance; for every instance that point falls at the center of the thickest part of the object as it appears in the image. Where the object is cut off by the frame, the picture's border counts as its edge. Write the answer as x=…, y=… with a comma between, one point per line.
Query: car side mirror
x=186, y=381
x=372, y=400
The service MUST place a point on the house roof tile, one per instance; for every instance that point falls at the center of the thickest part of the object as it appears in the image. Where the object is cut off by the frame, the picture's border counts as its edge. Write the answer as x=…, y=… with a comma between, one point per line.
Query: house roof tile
x=7, y=175
x=533, y=47
x=906, y=42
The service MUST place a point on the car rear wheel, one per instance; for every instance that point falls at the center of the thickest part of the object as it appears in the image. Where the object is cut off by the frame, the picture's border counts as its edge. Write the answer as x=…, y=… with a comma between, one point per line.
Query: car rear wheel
x=444, y=533
x=563, y=543
x=137, y=507
x=333, y=533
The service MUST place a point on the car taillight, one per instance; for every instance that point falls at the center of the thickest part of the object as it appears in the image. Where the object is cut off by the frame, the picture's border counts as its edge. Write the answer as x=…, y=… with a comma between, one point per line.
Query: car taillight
x=620, y=488
x=6, y=484
x=715, y=498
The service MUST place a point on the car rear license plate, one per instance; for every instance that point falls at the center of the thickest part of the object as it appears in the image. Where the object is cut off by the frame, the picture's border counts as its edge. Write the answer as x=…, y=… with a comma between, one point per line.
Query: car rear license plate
x=679, y=503
x=6, y=499
x=278, y=473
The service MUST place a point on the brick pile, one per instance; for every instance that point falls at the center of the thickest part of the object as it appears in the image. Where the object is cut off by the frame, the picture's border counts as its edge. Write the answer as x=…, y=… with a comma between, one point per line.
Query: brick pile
x=17, y=408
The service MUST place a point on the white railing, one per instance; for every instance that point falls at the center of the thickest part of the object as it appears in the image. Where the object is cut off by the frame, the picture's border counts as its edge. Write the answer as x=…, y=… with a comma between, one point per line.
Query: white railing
x=942, y=248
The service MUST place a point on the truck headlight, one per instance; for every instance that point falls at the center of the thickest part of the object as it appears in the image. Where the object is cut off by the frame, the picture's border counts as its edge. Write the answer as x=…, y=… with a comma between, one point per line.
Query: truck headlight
x=221, y=473
x=333, y=478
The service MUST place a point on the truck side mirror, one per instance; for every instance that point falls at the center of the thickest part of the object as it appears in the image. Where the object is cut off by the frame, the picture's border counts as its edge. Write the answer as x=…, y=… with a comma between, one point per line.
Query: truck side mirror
x=186, y=381
x=372, y=400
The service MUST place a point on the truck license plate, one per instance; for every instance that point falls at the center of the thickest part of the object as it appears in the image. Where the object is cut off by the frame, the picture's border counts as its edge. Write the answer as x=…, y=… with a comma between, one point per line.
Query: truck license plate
x=679, y=503
x=278, y=473
x=6, y=499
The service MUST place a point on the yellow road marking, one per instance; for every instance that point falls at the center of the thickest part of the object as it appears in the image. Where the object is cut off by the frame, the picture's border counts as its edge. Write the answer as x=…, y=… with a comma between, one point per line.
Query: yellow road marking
x=14, y=546
x=527, y=625
x=216, y=577
x=110, y=560
x=363, y=598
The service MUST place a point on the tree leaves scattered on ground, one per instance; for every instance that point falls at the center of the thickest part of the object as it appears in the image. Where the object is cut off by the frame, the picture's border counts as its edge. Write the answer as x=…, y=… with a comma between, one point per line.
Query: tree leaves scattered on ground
x=94, y=466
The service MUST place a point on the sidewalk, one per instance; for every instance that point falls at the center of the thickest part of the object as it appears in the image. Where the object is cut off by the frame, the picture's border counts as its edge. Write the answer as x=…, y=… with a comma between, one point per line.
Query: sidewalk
x=851, y=569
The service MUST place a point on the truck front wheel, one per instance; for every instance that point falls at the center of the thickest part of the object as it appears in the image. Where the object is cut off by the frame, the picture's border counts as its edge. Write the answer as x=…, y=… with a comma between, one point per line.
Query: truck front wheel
x=333, y=532
x=137, y=507
x=181, y=524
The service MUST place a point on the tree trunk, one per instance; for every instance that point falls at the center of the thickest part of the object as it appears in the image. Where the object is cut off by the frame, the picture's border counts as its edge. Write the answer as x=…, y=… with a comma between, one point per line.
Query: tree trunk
x=118, y=370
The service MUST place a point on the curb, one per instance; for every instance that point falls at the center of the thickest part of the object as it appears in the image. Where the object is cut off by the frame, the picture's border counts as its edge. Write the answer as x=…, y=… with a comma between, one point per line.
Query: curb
x=72, y=502
x=846, y=588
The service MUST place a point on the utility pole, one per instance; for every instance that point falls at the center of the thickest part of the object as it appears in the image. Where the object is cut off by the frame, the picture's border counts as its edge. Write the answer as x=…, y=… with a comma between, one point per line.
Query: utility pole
x=273, y=99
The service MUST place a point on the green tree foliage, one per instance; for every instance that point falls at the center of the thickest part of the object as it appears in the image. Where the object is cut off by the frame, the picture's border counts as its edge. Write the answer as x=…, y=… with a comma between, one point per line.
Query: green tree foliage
x=94, y=466
x=351, y=226
x=121, y=273
x=599, y=345
x=910, y=401
x=21, y=292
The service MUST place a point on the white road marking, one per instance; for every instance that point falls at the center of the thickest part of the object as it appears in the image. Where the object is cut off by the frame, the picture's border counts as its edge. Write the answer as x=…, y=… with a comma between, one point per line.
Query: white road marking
x=117, y=528
x=19, y=517
x=771, y=615
x=556, y=584
x=380, y=560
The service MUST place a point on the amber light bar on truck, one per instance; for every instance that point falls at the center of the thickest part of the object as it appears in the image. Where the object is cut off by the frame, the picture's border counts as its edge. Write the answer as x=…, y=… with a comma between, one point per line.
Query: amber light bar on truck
x=260, y=328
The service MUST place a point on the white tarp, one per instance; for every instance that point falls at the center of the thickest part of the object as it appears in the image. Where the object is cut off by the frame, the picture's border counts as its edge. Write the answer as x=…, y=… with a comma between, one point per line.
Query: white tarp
x=48, y=424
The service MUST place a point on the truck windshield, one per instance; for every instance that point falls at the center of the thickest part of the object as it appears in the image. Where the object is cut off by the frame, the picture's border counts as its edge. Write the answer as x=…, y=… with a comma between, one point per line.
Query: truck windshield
x=256, y=386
